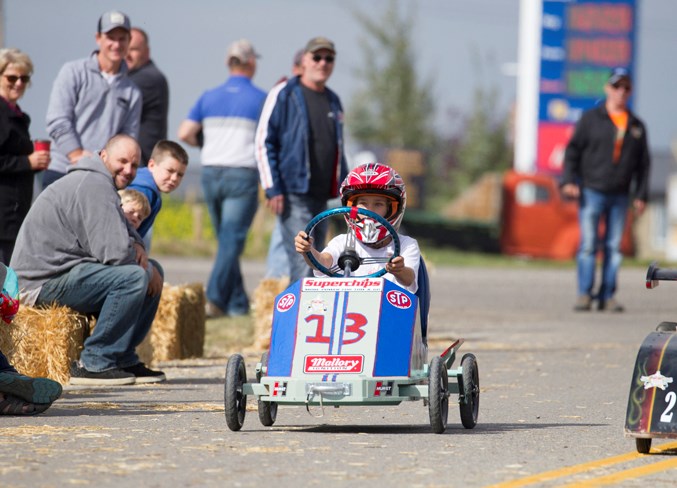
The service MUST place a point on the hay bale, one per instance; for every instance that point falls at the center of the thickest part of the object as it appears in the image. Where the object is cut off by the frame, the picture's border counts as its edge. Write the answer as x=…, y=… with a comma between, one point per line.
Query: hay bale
x=178, y=331
x=42, y=342
x=263, y=303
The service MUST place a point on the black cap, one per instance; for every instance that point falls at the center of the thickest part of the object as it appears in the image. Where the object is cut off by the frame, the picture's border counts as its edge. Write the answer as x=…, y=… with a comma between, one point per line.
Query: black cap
x=619, y=74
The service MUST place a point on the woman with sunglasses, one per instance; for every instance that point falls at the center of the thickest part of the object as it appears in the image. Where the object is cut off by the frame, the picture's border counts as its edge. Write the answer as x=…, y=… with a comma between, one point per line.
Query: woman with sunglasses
x=18, y=160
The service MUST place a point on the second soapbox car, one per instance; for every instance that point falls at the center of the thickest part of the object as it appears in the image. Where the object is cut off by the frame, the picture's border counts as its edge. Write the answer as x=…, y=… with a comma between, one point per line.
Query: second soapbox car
x=652, y=403
x=352, y=340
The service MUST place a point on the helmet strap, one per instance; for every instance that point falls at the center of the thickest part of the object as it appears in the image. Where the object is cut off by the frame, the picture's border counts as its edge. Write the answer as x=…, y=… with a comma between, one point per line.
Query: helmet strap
x=379, y=245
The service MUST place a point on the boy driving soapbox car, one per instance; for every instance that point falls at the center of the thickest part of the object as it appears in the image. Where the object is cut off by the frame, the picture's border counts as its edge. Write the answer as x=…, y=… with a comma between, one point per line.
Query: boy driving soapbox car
x=351, y=339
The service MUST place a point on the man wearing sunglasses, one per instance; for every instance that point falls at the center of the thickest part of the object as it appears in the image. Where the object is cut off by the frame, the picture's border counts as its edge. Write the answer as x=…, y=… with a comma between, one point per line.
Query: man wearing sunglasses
x=606, y=167
x=93, y=99
x=299, y=149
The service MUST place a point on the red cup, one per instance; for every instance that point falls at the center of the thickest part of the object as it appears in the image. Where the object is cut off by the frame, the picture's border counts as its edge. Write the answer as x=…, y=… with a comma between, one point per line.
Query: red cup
x=41, y=145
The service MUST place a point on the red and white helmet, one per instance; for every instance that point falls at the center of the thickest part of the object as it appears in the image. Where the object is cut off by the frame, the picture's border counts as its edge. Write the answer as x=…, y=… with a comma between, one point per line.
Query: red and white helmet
x=374, y=179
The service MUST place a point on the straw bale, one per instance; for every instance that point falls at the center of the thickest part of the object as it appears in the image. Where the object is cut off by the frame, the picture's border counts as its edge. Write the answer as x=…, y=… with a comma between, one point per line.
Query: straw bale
x=42, y=342
x=263, y=304
x=178, y=331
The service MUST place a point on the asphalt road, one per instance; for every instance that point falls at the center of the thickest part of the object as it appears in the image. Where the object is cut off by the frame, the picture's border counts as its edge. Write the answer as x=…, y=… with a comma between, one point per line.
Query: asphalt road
x=554, y=387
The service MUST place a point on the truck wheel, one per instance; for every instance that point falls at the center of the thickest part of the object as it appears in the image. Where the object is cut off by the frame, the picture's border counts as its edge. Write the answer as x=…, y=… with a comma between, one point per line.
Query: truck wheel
x=235, y=401
x=438, y=395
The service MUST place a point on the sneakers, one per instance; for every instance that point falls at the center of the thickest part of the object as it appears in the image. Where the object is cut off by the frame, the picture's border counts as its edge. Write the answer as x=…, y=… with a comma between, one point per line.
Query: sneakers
x=212, y=311
x=611, y=305
x=110, y=377
x=31, y=390
x=142, y=374
x=583, y=303
x=138, y=373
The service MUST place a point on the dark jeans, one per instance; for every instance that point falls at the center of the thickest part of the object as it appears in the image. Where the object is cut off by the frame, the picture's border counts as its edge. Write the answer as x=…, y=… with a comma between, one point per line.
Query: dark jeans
x=4, y=364
x=125, y=311
x=50, y=176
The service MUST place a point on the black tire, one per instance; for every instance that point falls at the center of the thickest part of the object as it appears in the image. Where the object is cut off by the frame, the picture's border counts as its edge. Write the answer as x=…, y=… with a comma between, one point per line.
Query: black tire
x=267, y=410
x=470, y=403
x=666, y=327
x=438, y=395
x=643, y=445
x=235, y=401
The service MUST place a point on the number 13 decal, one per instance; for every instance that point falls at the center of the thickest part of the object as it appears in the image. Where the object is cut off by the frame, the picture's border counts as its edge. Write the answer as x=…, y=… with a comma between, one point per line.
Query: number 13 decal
x=353, y=333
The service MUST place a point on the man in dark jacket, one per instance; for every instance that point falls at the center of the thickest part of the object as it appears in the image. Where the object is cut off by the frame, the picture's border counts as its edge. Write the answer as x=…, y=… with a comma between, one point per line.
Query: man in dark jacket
x=155, y=90
x=299, y=149
x=606, y=155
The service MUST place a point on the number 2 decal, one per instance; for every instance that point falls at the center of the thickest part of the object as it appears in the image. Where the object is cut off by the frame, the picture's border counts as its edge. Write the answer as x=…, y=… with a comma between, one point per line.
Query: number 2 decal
x=671, y=399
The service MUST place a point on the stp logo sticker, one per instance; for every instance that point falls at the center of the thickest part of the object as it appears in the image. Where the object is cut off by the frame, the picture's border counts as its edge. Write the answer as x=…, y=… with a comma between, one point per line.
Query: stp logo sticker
x=286, y=302
x=398, y=299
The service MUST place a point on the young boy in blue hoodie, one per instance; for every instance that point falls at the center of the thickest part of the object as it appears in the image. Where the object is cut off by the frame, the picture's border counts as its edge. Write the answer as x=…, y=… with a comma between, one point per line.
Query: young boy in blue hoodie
x=165, y=170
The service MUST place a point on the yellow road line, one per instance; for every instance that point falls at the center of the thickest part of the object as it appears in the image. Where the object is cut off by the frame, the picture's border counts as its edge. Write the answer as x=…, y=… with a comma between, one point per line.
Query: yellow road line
x=578, y=468
x=628, y=474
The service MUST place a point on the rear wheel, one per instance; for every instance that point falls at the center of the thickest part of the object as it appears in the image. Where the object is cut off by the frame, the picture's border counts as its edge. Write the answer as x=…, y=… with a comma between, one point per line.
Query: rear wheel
x=235, y=401
x=267, y=410
x=438, y=395
x=643, y=445
x=470, y=403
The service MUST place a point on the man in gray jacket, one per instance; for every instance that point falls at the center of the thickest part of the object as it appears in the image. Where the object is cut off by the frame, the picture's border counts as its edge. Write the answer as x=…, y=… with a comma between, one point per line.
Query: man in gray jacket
x=92, y=99
x=76, y=248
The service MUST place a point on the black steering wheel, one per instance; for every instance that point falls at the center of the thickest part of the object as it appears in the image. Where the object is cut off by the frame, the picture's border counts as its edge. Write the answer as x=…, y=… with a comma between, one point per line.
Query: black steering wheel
x=349, y=260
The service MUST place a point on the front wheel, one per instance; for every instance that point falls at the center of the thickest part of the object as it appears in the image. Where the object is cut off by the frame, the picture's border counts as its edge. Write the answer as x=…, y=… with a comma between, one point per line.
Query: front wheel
x=267, y=410
x=235, y=401
x=438, y=395
x=470, y=402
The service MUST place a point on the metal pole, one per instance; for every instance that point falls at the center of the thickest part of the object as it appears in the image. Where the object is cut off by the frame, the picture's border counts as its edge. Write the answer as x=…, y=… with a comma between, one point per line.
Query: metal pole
x=2, y=24
x=528, y=60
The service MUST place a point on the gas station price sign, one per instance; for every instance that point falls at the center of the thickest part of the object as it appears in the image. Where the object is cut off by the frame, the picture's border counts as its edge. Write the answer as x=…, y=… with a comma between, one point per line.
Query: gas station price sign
x=581, y=41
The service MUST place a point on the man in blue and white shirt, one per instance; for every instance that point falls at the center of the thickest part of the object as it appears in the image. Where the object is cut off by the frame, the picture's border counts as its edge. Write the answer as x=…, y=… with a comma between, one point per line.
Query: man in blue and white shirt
x=226, y=116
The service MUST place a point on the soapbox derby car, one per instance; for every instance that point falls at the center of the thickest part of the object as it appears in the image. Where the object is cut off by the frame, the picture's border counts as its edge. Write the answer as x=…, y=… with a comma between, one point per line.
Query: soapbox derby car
x=652, y=401
x=352, y=340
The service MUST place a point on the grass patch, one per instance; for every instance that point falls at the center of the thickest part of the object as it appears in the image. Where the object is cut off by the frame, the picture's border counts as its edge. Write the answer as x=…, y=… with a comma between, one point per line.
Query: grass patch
x=227, y=335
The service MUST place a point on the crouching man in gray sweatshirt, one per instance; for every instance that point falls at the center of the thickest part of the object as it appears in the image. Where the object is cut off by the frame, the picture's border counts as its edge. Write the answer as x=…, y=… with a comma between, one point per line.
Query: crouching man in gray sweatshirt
x=76, y=248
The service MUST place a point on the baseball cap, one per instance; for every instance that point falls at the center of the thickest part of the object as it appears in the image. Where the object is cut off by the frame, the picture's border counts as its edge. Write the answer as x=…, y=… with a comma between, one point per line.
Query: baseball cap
x=618, y=74
x=317, y=43
x=243, y=50
x=112, y=20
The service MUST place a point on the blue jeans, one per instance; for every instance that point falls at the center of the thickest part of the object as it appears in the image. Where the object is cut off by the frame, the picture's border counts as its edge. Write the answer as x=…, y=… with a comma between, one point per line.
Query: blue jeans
x=298, y=211
x=117, y=296
x=231, y=195
x=5, y=367
x=277, y=262
x=613, y=208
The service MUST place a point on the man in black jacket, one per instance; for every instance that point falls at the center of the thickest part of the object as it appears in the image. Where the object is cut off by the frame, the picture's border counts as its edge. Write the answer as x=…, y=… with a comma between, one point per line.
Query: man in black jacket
x=155, y=90
x=607, y=154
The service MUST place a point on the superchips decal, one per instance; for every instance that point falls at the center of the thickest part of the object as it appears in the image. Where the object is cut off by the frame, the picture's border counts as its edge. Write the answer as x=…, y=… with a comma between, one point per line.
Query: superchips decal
x=342, y=284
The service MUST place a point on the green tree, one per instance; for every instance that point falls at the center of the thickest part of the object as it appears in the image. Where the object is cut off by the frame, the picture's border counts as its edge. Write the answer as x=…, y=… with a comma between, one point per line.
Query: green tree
x=394, y=108
x=483, y=145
